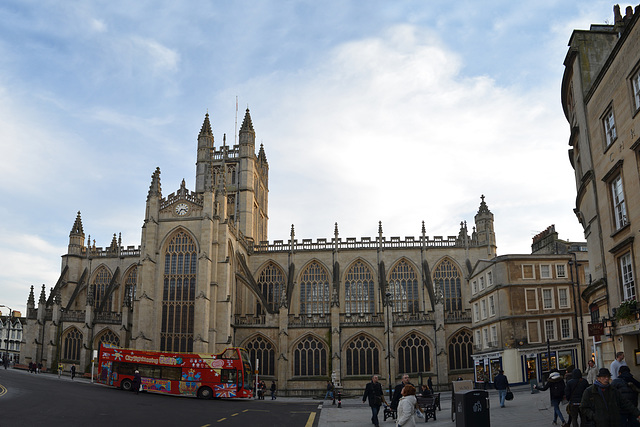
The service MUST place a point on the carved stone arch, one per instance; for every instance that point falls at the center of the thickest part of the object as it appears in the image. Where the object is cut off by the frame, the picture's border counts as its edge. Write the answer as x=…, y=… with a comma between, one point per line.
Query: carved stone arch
x=403, y=279
x=414, y=352
x=362, y=260
x=447, y=276
x=162, y=246
x=358, y=287
x=362, y=354
x=130, y=281
x=100, y=287
x=272, y=282
x=71, y=341
x=460, y=349
x=310, y=356
x=314, y=287
x=264, y=349
x=106, y=335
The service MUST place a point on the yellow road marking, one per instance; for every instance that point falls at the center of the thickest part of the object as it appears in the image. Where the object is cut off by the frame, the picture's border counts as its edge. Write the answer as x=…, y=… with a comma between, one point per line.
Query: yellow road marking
x=206, y=425
x=246, y=410
x=221, y=420
x=233, y=415
x=3, y=390
x=312, y=417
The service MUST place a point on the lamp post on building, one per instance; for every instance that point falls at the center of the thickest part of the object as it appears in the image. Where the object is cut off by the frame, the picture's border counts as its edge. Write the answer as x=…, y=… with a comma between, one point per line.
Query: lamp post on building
x=5, y=358
x=389, y=307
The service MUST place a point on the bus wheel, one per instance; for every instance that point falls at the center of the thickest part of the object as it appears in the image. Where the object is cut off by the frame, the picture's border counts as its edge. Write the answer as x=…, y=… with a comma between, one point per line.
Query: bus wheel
x=126, y=385
x=205, y=393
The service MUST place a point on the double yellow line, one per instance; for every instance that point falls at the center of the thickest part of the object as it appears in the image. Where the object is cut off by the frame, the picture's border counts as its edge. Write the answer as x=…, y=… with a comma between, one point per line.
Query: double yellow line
x=3, y=390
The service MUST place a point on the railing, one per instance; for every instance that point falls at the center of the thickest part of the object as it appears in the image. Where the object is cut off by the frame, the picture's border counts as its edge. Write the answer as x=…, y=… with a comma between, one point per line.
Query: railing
x=412, y=318
x=112, y=318
x=361, y=319
x=73, y=316
x=458, y=316
x=250, y=320
x=493, y=344
x=309, y=321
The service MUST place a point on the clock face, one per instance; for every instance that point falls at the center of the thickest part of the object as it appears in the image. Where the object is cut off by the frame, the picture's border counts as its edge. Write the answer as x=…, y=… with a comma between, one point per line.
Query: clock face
x=182, y=209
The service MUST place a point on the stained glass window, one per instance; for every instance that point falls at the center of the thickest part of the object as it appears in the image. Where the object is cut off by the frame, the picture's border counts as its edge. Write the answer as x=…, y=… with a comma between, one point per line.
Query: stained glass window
x=403, y=284
x=363, y=356
x=447, y=275
x=359, y=288
x=310, y=357
x=413, y=354
x=314, y=290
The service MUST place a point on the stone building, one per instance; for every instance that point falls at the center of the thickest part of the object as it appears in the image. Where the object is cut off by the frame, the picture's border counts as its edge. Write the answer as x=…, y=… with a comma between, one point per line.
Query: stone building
x=205, y=277
x=527, y=314
x=601, y=101
x=11, y=328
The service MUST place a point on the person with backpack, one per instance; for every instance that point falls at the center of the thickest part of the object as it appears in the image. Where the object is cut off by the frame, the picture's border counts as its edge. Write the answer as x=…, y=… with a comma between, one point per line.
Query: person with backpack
x=628, y=388
x=573, y=392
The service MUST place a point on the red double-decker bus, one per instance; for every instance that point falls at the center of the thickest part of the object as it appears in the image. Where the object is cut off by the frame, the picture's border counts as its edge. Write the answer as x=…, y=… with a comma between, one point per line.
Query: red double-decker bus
x=227, y=374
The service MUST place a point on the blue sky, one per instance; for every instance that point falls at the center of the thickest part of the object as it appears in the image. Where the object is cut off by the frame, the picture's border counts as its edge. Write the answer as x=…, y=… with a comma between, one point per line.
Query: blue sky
x=393, y=111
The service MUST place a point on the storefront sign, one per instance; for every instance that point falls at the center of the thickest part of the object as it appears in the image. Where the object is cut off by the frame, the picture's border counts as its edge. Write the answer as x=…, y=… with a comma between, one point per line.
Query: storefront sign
x=595, y=329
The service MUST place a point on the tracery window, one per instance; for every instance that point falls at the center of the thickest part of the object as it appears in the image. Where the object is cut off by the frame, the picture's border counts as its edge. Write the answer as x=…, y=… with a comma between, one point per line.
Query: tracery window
x=310, y=357
x=314, y=290
x=359, y=289
x=403, y=284
x=448, y=276
x=363, y=356
x=460, y=350
x=72, y=344
x=179, y=292
x=271, y=281
x=99, y=287
x=130, y=284
x=108, y=337
x=261, y=349
x=413, y=354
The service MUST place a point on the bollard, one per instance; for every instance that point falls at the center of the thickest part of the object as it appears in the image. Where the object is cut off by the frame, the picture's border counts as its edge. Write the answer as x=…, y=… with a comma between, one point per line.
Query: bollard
x=339, y=399
x=334, y=398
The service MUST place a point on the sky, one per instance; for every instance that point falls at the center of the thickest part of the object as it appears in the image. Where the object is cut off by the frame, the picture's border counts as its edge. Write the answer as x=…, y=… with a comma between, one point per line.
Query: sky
x=395, y=111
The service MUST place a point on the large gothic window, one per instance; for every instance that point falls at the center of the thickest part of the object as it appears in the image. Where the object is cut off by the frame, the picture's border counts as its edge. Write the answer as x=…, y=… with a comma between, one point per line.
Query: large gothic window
x=179, y=294
x=271, y=281
x=130, y=283
x=403, y=284
x=310, y=357
x=363, y=356
x=448, y=276
x=413, y=354
x=314, y=290
x=71, y=345
x=358, y=289
x=99, y=288
x=460, y=350
x=261, y=349
x=108, y=337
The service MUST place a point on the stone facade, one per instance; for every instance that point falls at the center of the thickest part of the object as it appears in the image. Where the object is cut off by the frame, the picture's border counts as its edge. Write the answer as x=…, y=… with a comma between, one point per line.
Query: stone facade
x=205, y=277
x=601, y=101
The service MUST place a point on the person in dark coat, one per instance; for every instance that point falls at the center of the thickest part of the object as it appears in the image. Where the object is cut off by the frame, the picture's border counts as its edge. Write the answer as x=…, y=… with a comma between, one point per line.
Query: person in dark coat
x=373, y=393
x=556, y=386
x=501, y=383
x=603, y=404
x=273, y=390
x=137, y=380
x=430, y=385
x=397, y=392
x=628, y=388
x=573, y=392
x=73, y=371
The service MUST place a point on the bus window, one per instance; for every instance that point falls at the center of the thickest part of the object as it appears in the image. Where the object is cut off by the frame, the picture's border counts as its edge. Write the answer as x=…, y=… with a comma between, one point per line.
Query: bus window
x=124, y=368
x=230, y=353
x=171, y=373
x=228, y=376
x=149, y=371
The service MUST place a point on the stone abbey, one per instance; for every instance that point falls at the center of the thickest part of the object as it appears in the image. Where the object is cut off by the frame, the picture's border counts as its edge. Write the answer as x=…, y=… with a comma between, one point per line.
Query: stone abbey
x=205, y=277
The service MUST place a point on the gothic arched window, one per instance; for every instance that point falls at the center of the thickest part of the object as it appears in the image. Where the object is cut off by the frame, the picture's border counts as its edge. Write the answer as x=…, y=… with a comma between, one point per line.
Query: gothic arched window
x=448, y=276
x=179, y=294
x=99, y=287
x=261, y=349
x=271, y=281
x=460, y=350
x=108, y=338
x=403, y=284
x=363, y=356
x=314, y=290
x=358, y=289
x=310, y=357
x=71, y=345
x=413, y=354
x=130, y=283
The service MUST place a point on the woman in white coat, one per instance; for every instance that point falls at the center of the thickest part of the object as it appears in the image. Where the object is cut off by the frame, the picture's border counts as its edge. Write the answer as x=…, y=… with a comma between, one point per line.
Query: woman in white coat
x=407, y=407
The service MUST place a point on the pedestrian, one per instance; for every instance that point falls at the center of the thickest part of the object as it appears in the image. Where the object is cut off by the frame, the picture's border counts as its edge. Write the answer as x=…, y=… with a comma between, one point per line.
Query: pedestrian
x=39, y=368
x=137, y=381
x=628, y=388
x=602, y=404
x=397, y=392
x=424, y=392
x=73, y=371
x=373, y=393
x=273, y=390
x=330, y=388
x=407, y=406
x=556, y=387
x=591, y=372
x=263, y=386
x=573, y=392
x=501, y=383
x=430, y=384
x=615, y=365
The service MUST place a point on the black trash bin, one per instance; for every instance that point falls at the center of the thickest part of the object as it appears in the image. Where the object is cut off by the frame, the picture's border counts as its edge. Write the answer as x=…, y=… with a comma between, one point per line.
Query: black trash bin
x=472, y=409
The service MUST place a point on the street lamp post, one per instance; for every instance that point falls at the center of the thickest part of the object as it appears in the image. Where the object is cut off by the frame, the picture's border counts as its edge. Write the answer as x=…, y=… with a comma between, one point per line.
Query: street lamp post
x=389, y=307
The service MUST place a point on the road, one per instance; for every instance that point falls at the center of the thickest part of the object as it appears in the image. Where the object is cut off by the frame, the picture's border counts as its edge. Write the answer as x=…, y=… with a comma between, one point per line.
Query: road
x=46, y=400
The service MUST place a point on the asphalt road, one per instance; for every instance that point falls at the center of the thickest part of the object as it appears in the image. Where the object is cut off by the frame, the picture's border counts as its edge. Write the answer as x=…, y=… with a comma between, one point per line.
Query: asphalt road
x=46, y=400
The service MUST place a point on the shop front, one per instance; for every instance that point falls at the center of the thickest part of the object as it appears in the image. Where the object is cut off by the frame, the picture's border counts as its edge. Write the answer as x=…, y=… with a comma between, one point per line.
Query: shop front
x=486, y=367
x=538, y=362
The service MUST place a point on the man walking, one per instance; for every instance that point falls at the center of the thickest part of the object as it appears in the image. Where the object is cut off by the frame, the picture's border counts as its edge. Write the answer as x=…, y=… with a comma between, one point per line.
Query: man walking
x=602, y=404
x=73, y=371
x=273, y=390
x=329, y=393
x=373, y=392
x=397, y=392
x=573, y=392
x=501, y=384
x=591, y=372
x=615, y=365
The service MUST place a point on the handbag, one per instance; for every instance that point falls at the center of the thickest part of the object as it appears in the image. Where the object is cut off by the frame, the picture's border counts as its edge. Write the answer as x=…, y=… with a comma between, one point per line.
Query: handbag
x=509, y=395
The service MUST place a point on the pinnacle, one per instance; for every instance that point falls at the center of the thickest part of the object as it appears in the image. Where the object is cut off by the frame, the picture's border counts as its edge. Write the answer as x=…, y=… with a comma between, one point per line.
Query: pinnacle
x=206, y=127
x=247, y=125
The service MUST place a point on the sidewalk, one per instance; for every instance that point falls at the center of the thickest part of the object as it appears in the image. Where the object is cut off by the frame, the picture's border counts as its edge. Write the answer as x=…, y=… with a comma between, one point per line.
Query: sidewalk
x=525, y=409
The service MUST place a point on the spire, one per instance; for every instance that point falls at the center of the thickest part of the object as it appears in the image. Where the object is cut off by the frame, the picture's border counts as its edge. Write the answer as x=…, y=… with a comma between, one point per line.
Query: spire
x=247, y=125
x=77, y=226
x=31, y=302
x=262, y=157
x=206, y=127
x=43, y=296
x=483, y=207
x=155, y=189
